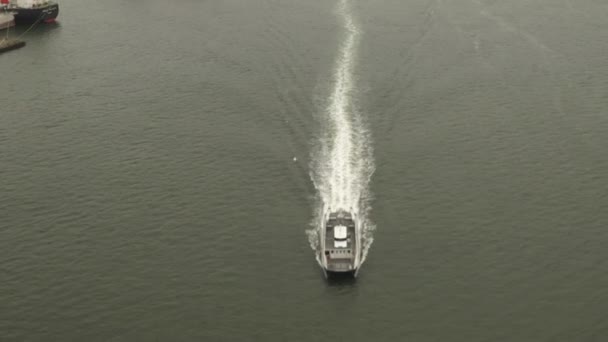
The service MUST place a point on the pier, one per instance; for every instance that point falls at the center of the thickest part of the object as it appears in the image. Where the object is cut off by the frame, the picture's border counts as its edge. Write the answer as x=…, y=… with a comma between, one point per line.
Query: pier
x=10, y=44
x=6, y=20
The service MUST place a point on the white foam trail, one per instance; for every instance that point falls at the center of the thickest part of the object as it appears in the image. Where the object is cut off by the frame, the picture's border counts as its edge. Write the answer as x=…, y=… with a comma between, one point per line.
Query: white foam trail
x=342, y=163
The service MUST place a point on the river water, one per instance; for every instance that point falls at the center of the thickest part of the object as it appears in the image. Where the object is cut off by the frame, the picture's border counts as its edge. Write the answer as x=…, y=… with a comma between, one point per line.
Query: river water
x=163, y=164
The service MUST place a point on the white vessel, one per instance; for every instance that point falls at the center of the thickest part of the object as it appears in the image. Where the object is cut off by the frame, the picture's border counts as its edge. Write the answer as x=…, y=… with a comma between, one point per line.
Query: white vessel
x=340, y=242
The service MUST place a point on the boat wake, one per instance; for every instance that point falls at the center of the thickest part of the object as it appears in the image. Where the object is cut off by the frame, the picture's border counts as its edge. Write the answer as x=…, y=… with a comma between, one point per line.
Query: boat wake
x=342, y=157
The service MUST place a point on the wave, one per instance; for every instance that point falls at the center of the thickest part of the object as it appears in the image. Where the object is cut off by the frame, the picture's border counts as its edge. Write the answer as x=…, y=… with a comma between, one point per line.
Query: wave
x=342, y=158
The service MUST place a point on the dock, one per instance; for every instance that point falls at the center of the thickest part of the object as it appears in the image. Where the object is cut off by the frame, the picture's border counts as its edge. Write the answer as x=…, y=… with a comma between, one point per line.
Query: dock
x=10, y=44
x=6, y=20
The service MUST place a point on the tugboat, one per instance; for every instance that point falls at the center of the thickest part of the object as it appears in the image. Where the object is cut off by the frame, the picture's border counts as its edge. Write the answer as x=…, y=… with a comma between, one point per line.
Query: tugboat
x=32, y=11
x=340, y=242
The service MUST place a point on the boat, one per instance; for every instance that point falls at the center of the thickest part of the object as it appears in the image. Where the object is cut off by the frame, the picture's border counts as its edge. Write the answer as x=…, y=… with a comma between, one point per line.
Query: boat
x=7, y=20
x=340, y=242
x=32, y=11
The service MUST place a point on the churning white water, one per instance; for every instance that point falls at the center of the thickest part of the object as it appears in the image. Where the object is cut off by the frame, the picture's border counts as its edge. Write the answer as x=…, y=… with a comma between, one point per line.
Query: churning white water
x=342, y=161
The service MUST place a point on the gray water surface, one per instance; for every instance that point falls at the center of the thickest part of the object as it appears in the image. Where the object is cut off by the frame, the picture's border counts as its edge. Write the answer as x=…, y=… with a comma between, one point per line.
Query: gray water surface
x=148, y=189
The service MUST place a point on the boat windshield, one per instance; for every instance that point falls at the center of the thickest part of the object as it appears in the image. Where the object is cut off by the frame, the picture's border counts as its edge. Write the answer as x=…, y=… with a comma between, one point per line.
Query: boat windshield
x=340, y=233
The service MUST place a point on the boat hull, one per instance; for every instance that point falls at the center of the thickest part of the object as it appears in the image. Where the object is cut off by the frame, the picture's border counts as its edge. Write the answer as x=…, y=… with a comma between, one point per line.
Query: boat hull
x=332, y=275
x=339, y=244
x=47, y=13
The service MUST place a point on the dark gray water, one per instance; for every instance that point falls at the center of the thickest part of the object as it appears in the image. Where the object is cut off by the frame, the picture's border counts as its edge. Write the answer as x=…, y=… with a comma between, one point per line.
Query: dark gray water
x=148, y=189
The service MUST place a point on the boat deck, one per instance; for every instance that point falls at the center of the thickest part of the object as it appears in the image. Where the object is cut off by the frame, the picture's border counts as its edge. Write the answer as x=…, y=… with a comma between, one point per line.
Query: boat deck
x=341, y=258
x=329, y=238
